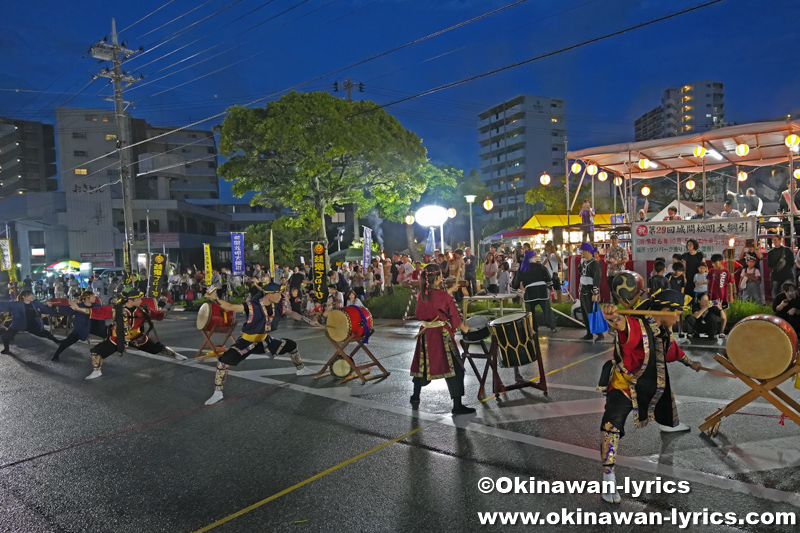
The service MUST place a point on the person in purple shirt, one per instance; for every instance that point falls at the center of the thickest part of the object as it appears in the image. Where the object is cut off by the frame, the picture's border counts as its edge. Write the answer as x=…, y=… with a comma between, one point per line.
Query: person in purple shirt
x=587, y=221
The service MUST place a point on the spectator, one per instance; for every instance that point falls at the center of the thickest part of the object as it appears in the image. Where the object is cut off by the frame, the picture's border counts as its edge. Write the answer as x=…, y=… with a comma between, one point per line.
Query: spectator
x=587, y=221
x=751, y=249
x=27, y=283
x=699, y=213
x=728, y=211
x=616, y=259
x=338, y=281
x=658, y=282
x=295, y=300
x=51, y=286
x=553, y=264
x=369, y=281
x=456, y=265
x=691, y=260
x=701, y=281
x=470, y=274
x=352, y=299
x=653, y=272
x=315, y=310
x=751, y=281
x=677, y=278
x=672, y=213
x=721, y=285
x=335, y=300
x=503, y=278
x=388, y=277
x=358, y=282
x=749, y=202
x=641, y=216
x=706, y=318
x=297, y=278
x=787, y=305
x=441, y=260
x=490, y=271
x=395, y=268
x=408, y=266
x=779, y=260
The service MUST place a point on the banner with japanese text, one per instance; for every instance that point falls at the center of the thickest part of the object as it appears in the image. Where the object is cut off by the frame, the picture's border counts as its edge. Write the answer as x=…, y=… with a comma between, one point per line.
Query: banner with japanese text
x=320, y=287
x=207, y=263
x=6, y=259
x=126, y=258
x=237, y=254
x=367, y=248
x=157, y=275
x=667, y=237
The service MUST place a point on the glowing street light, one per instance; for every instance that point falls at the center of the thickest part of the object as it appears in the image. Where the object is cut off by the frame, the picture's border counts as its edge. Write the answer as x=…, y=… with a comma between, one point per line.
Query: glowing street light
x=451, y=213
x=470, y=200
x=409, y=219
x=544, y=179
x=432, y=216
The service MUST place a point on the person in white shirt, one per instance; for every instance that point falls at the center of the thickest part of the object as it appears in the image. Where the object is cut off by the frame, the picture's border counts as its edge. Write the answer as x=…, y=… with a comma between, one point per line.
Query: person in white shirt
x=729, y=211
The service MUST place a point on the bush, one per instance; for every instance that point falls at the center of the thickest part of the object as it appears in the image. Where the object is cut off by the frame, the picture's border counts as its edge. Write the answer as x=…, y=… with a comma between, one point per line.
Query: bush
x=739, y=310
x=392, y=305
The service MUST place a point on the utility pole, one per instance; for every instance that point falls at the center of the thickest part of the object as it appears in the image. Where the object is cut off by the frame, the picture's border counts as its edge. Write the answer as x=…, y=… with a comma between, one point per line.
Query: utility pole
x=348, y=86
x=117, y=53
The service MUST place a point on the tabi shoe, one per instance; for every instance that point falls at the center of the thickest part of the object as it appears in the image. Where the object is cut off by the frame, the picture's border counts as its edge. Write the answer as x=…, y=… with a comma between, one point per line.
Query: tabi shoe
x=462, y=410
x=611, y=497
x=670, y=429
x=587, y=337
x=95, y=374
x=721, y=339
x=178, y=357
x=6, y=351
x=600, y=338
x=305, y=371
x=414, y=402
x=217, y=396
x=55, y=358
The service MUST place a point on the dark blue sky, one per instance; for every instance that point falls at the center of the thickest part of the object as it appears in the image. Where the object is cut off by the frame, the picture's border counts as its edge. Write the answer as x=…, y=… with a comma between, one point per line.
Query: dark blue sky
x=751, y=47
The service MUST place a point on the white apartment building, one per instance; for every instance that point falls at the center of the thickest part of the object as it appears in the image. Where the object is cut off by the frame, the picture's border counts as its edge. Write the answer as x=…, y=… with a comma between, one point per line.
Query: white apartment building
x=692, y=108
x=519, y=140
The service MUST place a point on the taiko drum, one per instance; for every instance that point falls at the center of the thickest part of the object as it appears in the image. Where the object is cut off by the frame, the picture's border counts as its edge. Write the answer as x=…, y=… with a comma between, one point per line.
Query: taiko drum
x=762, y=346
x=348, y=322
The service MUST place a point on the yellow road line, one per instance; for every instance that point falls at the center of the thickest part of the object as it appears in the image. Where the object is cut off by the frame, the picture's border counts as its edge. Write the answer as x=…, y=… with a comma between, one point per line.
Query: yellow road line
x=306, y=482
x=558, y=370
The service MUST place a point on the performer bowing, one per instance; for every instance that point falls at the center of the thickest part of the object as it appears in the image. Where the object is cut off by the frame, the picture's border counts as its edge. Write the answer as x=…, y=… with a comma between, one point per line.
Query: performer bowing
x=436, y=354
x=264, y=312
x=83, y=324
x=639, y=380
x=128, y=317
x=26, y=315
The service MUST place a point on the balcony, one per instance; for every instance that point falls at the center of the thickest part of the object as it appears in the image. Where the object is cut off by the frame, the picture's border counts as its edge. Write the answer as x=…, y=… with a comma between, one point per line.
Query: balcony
x=517, y=124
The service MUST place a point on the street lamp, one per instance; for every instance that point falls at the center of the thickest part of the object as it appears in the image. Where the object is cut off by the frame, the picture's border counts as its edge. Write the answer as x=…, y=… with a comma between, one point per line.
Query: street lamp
x=432, y=216
x=470, y=200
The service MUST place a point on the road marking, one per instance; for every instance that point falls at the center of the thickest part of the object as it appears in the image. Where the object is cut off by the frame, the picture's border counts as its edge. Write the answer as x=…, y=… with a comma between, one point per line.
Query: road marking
x=305, y=482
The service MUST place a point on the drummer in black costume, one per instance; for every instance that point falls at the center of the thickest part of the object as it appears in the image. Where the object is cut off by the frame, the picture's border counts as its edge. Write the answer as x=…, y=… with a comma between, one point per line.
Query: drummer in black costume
x=537, y=284
x=264, y=312
x=590, y=275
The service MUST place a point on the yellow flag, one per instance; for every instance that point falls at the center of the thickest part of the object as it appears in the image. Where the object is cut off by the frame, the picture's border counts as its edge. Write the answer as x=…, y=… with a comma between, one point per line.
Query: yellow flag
x=272, y=259
x=207, y=255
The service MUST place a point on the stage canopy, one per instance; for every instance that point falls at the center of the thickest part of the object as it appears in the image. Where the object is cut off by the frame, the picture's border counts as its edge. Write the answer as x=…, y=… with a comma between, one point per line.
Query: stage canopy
x=551, y=221
x=765, y=146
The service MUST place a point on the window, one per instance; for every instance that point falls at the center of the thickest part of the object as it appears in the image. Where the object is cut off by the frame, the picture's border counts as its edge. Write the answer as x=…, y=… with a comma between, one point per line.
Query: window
x=555, y=148
x=553, y=119
x=184, y=151
x=105, y=119
x=78, y=135
x=79, y=153
x=188, y=165
x=111, y=137
x=81, y=172
x=90, y=118
x=708, y=115
x=211, y=164
x=192, y=136
x=338, y=218
x=210, y=150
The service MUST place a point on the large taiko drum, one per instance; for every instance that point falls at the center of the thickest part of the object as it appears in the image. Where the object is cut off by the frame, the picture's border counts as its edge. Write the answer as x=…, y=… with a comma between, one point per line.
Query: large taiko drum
x=211, y=316
x=515, y=336
x=628, y=287
x=762, y=346
x=348, y=322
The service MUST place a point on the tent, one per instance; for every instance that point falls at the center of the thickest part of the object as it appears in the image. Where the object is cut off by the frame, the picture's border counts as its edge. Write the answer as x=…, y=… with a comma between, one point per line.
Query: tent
x=348, y=254
x=551, y=221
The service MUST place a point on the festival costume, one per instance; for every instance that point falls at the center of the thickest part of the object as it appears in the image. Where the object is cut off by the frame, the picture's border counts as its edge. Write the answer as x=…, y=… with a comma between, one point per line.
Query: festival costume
x=590, y=275
x=537, y=282
x=639, y=382
x=83, y=326
x=127, y=323
x=25, y=317
x=262, y=318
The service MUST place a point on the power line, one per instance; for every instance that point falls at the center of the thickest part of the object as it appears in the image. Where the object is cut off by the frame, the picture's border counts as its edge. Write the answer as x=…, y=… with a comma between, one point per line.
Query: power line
x=144, y=17
x=170, y=22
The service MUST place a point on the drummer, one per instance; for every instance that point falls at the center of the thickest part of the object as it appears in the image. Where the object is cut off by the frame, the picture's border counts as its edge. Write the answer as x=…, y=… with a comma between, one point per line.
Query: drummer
x=436, y=354
x=537, y=283
x=264, y=313
x=83, y=325
x=639, y=380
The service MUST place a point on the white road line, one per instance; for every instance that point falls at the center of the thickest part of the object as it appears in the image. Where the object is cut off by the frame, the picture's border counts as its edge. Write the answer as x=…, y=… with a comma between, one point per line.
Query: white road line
x=592, y=454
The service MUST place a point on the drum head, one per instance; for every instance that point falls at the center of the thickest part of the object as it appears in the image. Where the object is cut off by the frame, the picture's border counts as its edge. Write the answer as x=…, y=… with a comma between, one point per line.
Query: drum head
x=508, y=318
x=628, y=286
x=338, y=325
x=203, y=316
x=340, y=368
x=478, y=329
x=777, y=354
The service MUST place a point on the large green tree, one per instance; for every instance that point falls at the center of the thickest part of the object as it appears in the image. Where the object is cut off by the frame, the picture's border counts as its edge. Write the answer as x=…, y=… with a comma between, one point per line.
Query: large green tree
x=289, y=238
x=311, y=151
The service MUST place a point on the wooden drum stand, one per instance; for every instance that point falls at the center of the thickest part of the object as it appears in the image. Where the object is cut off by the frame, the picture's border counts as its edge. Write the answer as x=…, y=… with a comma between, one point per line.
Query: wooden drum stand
x=357, y=370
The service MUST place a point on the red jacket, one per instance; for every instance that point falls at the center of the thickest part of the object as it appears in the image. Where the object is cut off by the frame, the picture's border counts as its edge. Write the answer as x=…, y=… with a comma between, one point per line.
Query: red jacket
x=135, y=318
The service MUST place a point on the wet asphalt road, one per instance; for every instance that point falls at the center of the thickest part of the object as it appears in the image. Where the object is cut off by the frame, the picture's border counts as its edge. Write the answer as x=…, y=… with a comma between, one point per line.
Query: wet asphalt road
x=136, y=450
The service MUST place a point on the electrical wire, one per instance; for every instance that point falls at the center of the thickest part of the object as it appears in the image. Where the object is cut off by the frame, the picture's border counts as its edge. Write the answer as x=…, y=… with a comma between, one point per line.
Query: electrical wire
x=140, y=37
x=144, y=17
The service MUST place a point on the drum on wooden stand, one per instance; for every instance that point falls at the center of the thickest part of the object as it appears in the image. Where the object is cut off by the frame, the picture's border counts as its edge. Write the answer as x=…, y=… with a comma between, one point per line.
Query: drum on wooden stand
x=515, y=336
x=211, y=317
x=478, y=329
x=352, y=321
x=762, y=346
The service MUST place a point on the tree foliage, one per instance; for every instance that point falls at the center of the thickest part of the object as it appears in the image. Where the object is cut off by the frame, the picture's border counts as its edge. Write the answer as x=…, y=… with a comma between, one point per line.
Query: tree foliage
x=311, y=151
x=290, y=238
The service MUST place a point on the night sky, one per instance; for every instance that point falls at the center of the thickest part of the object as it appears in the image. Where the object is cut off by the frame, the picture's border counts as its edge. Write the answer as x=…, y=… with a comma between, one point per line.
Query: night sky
x=749, y=46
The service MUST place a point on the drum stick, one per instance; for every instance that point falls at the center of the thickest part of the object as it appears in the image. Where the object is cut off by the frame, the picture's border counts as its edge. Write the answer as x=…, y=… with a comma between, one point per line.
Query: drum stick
x=718, y=372
x=568, y=317
x=641, y=312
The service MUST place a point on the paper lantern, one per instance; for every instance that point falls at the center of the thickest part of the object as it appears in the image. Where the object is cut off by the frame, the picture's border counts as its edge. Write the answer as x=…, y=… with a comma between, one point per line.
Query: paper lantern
x=699, y=152
x=644, y=164
x=576, y=167
x=742, y=176
x=409, y=219
x=792, y=140
x=603, y=176
x=645, y=191
x=452, y=212
x=796, y=174
x=591, y=169
x=690, y=185
x=742, y=150
x=617, y=181
x=488, y=204
x=544, y=179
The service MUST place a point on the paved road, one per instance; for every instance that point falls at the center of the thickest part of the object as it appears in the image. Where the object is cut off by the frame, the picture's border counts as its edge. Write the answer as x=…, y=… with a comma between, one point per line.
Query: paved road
x=136, y=450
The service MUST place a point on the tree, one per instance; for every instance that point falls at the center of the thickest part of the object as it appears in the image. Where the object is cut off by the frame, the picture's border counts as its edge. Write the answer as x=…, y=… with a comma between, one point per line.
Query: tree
x=311, y=151
x=289, y=237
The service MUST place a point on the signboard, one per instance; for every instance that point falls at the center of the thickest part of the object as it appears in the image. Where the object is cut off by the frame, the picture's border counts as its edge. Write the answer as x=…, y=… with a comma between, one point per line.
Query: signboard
x=6, y=259
x=158, y=264
x=126, y=258
x=367, y=248
x=102, y=264
x=99, y=255
x=320, y=289
x=207, y=257
x=37, y=252
x=667, y=237
x=237, y=254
